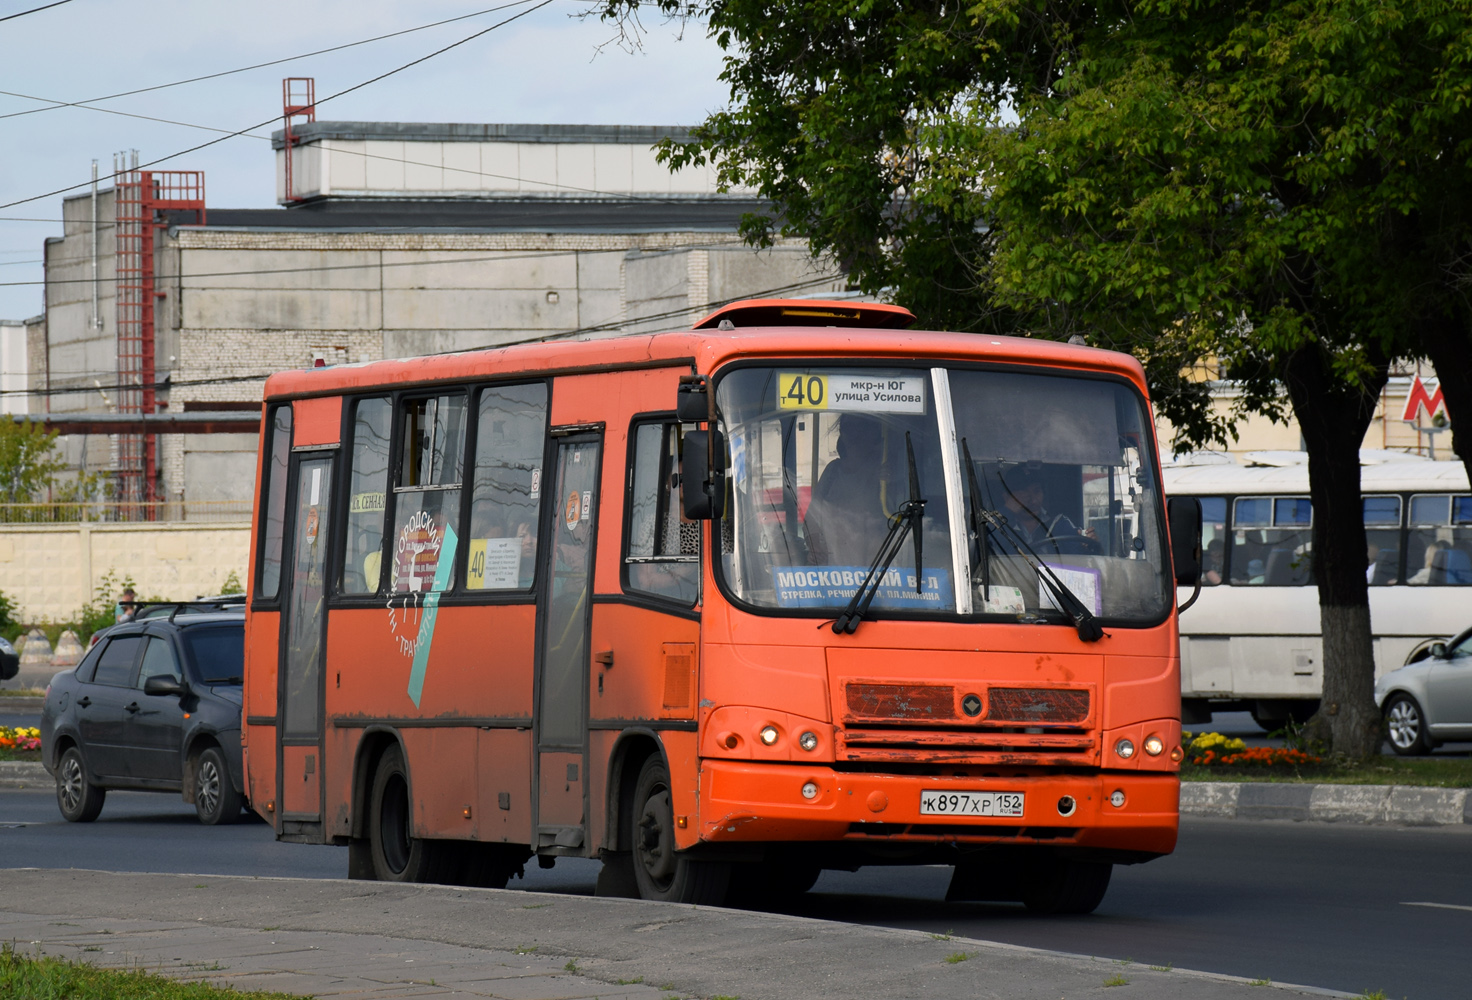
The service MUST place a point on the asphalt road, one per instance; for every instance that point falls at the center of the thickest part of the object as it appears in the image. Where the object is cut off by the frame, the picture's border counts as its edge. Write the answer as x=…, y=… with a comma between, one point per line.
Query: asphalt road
x=1313, y=904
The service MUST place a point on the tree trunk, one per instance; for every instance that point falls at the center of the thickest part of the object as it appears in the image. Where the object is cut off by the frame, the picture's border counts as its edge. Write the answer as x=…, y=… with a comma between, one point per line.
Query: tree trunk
x=1334, y=417
x=1449, y=347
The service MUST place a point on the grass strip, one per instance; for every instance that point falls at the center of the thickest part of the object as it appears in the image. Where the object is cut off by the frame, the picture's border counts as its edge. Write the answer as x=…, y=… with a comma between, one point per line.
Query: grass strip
x=39, y=977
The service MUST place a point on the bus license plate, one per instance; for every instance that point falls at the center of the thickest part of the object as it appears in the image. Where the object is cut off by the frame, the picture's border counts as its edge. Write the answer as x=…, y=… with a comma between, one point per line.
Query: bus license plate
x=938, y=803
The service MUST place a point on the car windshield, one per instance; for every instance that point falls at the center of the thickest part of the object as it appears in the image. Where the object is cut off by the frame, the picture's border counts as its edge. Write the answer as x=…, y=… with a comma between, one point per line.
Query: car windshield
x=1059, y=480
x=218, y=652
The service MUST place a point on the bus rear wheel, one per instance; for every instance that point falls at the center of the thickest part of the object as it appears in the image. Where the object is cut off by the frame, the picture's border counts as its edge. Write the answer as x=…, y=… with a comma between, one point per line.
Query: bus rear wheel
x=661, y=872
x=398, y=855
x=1068, y=887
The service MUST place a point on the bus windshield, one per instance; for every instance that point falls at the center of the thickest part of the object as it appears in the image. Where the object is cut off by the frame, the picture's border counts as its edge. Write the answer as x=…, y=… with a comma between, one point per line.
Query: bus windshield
x=1060, y=477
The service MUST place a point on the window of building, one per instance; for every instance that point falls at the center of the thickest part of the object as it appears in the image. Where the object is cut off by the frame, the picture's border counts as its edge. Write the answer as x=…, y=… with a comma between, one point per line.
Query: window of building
x=662, y=551
x=367, y=485
x=274, y=510
x=506, y=487
x=427, y=499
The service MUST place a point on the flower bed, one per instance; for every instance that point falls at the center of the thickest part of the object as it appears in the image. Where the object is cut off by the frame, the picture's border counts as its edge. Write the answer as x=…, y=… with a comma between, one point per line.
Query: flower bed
x=20, y=743
x=1216, y=750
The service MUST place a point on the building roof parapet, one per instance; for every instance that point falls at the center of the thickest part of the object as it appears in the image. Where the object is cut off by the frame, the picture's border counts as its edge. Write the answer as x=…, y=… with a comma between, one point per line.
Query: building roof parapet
x=644, y=135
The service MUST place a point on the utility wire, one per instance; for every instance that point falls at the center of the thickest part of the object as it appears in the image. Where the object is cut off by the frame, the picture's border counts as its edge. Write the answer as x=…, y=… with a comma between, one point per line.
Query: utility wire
x=552, y=336
x=243, y=69
x=319, y=103
x=34, y=10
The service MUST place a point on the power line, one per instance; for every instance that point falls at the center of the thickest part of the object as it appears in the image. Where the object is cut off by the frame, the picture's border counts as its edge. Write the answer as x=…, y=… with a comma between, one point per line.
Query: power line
x=268, y=121
x=244, y=69
x=34, y=10
x=554, y=335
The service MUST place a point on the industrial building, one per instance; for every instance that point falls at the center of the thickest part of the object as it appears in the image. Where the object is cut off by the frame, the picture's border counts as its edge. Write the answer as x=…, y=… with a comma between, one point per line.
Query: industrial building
x=165, y=313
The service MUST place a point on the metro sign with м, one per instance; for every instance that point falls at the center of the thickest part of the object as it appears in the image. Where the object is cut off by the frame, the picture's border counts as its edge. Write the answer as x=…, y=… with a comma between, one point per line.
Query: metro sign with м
x=1418, y=398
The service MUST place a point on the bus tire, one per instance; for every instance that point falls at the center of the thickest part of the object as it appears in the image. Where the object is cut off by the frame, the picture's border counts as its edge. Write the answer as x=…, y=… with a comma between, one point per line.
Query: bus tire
x=661, y=872
x=1068, y=887
x=1405, y=726
x=398, y=855
x=216, y=802
x=80, y=800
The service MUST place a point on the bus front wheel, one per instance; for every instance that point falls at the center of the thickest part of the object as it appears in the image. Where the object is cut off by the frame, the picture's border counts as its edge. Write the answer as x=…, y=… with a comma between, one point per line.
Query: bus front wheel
x=398, y=856
x=1068, y=887
x=661, y=872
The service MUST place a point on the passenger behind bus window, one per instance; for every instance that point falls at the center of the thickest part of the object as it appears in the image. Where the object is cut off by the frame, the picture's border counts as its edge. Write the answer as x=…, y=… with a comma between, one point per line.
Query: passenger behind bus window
x=1211, y=573
x=1025, y=505
x=846, y=518
x=1443, y=565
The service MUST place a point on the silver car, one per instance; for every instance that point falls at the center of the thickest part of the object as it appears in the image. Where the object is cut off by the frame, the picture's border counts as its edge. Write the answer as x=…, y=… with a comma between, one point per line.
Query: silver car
x=1429, y=700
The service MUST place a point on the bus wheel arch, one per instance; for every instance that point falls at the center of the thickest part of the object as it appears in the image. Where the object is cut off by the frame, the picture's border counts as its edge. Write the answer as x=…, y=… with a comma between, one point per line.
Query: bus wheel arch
x=376, y=741
x=661, y=872
x=633, y=747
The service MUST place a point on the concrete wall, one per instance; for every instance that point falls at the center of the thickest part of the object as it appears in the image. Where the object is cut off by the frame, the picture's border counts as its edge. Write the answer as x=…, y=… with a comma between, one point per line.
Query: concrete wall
x=14, y=367
x=50, y=571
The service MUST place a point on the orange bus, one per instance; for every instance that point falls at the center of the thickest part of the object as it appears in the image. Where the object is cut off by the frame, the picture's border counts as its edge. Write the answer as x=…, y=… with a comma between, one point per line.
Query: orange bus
x=796, y=589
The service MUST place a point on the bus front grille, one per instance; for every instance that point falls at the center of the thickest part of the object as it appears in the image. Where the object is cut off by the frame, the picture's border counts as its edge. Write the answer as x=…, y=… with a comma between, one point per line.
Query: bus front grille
x=973, y=745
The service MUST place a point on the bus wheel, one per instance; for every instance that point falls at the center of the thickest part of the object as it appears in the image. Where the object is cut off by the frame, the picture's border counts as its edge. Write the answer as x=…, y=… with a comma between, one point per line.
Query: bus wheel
x=398, y=856
x=1068, y=887
x=660, y=871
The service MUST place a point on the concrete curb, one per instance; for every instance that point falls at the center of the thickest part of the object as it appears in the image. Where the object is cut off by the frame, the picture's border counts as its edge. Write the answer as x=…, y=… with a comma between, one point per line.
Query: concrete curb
x=1405, y=805
x=24, y=774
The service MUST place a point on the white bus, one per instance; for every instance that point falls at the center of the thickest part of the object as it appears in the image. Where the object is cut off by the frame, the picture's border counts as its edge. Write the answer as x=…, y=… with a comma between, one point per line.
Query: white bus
x=1251, y=642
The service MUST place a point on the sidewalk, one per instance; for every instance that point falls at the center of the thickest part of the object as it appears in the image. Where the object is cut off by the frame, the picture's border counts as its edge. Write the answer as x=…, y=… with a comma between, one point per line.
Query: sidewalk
x=345, y=939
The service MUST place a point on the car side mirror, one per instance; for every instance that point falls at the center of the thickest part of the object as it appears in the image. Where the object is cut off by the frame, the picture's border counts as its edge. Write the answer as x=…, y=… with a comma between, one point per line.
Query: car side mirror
x=702, y=482
x=1437, y=651
x=1184, y=515
x=163, y=684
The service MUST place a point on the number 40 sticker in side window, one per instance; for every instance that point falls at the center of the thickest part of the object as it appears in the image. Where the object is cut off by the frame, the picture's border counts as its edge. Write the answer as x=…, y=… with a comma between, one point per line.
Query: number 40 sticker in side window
x=864, y=392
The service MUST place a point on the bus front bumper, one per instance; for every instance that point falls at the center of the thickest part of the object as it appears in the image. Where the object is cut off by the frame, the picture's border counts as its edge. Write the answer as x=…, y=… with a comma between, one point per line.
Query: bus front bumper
x=1122, y=810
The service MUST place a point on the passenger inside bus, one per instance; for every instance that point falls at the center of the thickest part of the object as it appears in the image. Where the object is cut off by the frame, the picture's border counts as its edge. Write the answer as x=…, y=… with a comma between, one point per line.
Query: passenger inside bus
x=1211, y=564
x=1430, y=557
x=1025, y=505
x=850, y=506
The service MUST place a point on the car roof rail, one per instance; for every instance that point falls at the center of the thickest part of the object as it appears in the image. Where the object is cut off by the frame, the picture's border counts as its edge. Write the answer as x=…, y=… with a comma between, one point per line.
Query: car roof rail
x=218, y=603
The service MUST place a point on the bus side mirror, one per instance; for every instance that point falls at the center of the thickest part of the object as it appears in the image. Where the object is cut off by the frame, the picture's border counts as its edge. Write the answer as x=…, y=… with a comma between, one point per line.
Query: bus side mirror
x=702, y=483
x=1184, y=515
x=692, y=403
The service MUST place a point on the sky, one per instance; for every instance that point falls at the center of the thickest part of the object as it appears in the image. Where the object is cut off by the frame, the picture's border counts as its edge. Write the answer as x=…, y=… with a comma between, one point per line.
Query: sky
x=549, y=66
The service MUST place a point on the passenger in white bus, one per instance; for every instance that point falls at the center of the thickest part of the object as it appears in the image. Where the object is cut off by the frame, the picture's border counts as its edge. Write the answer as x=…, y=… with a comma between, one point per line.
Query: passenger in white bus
x=1212, y=564
x=1422, y=576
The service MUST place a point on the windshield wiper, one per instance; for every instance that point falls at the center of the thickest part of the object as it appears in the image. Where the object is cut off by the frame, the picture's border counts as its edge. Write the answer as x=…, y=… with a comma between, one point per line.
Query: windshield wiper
x=226, y=680
x=906, y=520
x=1080, y=616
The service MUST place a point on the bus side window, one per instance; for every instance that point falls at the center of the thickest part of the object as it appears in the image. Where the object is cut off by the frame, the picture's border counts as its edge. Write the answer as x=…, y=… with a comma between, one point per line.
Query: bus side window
x=424, y=546
x=1439, y=542
x=506, y=487
x=362, y=561
x=662, y=549
x=1382, y=537
x=1213, y=540
x=273, y=510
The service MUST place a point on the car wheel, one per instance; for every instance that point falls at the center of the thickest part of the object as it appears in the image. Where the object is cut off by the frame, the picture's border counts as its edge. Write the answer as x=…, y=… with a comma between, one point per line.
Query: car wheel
x=1069, y=887
x=79, y=799
x=1405, y=725
x=398, y=855
x=215, y=799
x=660, y=871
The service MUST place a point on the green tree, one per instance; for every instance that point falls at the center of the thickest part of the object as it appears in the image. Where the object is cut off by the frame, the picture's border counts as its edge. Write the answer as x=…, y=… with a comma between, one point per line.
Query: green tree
x=1277, y=185
x=29, y=464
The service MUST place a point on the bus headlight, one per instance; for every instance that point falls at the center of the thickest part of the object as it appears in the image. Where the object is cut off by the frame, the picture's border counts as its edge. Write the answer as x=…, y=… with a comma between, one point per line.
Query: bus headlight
x=768, y=735
x=808, y=741
x=1154, y=745
x=1125, y=749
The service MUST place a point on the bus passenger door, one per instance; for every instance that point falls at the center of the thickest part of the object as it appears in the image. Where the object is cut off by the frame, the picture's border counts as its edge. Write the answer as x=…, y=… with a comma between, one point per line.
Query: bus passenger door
x=564, y=621
x=304, y=612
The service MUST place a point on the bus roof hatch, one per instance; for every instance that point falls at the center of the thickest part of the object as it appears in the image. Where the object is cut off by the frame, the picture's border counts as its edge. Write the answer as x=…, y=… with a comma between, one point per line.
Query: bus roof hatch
x=809, y=312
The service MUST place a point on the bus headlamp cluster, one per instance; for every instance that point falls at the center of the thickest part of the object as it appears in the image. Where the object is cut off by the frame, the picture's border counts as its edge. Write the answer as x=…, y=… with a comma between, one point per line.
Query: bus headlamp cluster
x=768, y=735
x=1125, y=749
x=1154, y=745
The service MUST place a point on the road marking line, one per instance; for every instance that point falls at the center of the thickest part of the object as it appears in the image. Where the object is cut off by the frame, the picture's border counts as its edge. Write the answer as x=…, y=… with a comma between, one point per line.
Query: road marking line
x=1441, y=906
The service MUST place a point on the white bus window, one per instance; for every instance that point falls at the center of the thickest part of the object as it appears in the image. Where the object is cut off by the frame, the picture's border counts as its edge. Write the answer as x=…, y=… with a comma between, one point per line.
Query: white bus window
x=1213, y=540
x=1439, y=544
x=1382, y=535
x=1272, y=542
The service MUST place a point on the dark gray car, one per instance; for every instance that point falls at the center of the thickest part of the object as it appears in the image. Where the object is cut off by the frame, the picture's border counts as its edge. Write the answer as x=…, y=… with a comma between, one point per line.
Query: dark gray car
x=154, y=705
